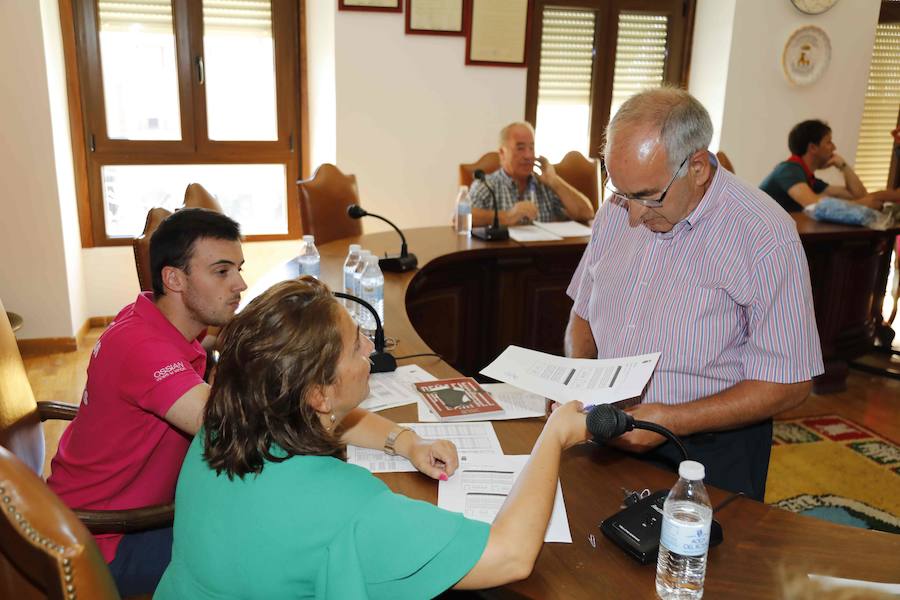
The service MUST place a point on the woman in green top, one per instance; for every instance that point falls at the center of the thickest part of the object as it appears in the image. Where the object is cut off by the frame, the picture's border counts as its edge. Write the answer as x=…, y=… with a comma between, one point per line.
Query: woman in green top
x=267, y=507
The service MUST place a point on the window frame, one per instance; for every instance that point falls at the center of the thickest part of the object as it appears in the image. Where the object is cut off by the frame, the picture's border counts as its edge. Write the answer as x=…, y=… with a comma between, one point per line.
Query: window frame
x=890, y=13
x=93, y=149
x=679, y=36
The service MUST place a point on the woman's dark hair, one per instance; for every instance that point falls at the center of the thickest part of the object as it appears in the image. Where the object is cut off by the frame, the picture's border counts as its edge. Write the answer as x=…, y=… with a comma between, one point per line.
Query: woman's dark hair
x=806, y=133
x=272, y=354
x=172, y=244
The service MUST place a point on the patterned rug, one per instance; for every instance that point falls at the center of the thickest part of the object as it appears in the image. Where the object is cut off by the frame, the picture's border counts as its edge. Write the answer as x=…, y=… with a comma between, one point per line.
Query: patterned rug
x=835, y=469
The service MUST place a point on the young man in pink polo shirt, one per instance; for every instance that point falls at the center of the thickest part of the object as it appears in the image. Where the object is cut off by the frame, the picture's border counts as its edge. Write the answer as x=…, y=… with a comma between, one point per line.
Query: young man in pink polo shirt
x=145, y=394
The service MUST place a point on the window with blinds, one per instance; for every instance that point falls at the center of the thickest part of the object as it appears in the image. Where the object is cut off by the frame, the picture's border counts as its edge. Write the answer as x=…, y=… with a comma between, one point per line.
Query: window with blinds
x=564, y=85
x=873, y=152
x=640, y=55
x=575, y=83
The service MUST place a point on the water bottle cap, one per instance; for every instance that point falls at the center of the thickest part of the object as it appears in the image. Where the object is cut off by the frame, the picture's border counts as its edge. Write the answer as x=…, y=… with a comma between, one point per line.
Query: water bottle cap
x=691, y=469
x=309, y=239
x=371, y=260
x=364, y=253
x=354, y=247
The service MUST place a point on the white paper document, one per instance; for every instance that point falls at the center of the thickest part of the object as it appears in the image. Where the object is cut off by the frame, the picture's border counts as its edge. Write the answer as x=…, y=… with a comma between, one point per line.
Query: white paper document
x=837, y=583
x=478, y=490
x=472, y=440
x=565, y=229
x=531, y=233
x=516, y=403
x=593, y=381
x=387, y=390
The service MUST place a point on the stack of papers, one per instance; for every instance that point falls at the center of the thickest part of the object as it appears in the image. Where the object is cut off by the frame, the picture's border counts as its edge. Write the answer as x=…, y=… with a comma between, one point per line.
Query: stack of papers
x=387, y=390
x=547, y=232
x=479, y=489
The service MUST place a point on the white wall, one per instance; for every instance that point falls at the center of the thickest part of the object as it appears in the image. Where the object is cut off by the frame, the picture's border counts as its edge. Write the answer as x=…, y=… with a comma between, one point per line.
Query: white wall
x=409, y=111
x=710, y=54
x=34, y=275
x=761, y=106
x=399, y=111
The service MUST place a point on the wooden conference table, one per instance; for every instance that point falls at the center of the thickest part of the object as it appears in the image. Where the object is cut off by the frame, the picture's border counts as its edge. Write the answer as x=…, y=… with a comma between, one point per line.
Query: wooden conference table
x=760, y=541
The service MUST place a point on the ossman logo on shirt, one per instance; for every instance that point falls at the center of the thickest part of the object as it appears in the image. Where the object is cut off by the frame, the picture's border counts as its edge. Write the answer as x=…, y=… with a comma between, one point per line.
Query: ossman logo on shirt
x=175, y=367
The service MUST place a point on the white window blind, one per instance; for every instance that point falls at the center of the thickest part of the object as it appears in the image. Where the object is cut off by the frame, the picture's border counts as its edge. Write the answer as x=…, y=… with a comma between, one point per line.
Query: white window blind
x=126, y=15
x=873, y=153
x=640, y=55
x=564, y=85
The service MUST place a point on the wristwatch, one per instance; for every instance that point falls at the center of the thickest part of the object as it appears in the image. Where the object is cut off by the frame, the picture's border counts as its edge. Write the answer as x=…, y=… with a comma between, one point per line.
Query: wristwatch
x=391, y=439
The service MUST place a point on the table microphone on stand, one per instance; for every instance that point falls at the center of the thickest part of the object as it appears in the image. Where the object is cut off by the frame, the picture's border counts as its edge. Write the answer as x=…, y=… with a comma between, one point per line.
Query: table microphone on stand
x=636, y=528
x=494, y=232
x=395, y=263
x=382, y=361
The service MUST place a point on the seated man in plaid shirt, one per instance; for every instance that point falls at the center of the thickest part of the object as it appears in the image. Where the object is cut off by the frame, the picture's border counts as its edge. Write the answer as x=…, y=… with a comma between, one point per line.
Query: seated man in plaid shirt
x=523, y=195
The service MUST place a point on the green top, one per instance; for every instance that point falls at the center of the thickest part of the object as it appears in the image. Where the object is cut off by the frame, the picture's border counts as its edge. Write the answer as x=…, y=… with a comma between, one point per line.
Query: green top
x=785, y=175
x=310, y=527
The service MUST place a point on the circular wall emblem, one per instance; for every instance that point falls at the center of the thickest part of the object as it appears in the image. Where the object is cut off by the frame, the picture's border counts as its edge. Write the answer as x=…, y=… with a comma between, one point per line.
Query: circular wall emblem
x=806, y=55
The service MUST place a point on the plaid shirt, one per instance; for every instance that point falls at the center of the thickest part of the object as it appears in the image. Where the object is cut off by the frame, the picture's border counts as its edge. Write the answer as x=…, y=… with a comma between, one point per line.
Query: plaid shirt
x=550, y=207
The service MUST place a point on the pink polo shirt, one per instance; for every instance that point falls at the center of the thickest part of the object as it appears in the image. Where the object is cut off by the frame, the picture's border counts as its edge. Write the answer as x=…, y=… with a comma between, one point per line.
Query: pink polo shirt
x=120, y=452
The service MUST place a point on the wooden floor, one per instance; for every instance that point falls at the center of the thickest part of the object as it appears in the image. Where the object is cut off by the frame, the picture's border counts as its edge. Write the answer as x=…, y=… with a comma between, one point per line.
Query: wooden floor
x=869, y=400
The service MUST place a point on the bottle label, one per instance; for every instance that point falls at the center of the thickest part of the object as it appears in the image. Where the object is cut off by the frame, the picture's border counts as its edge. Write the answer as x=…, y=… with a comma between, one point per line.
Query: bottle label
x=687, y=539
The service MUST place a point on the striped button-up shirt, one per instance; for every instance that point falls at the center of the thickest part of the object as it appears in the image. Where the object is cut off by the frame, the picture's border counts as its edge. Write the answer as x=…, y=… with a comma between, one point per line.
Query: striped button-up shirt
x=550, y=207
x=724, y=296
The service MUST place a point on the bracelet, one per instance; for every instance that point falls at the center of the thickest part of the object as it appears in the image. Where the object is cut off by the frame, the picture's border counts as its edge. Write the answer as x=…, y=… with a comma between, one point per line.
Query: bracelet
x=391, y=439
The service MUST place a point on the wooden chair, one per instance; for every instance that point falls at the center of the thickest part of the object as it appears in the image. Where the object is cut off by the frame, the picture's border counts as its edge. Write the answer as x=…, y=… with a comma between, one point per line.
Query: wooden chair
x=195, y=196
x=21, y=433
x=324, y=199
x=488, y=163
x=45, y=552
x=723, y=160
x=582, y=173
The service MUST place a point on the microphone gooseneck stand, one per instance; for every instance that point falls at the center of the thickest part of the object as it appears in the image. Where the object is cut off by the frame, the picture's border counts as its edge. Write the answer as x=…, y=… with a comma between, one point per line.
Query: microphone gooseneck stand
x=394, y=263
x=382, y=361
x=494, y=232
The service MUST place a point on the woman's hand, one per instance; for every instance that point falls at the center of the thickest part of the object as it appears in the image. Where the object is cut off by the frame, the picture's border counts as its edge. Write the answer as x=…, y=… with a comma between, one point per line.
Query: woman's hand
x=568, y=423
x=436, y=458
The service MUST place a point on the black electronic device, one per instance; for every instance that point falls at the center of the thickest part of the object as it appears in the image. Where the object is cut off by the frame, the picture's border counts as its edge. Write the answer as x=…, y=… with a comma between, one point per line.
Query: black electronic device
x=636, y=528
x=382, y=361
x=494, y=232
x=394, y=263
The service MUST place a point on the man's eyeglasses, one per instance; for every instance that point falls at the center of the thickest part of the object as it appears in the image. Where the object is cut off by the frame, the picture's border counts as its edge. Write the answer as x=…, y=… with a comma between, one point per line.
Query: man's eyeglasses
x=648, y=202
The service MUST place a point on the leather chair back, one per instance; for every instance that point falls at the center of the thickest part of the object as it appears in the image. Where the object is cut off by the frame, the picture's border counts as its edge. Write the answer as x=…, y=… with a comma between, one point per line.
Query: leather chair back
x=45, y=551
x=723, y=160
x=582, y=174
x=324, y=199
x=195, y=196
x=20, y=422
x=488, y=163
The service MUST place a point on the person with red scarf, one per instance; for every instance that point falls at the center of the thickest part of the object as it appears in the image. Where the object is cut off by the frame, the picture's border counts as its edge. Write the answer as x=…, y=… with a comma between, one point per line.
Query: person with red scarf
x=793, y=183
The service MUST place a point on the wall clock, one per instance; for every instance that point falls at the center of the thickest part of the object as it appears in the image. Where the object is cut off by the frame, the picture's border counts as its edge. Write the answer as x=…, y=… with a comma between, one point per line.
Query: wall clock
x=813, y=7
x=806, y=55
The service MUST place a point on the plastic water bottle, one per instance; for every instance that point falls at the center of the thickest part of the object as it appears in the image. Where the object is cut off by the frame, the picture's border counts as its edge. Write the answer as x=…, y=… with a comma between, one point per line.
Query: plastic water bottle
x=357, y=275
x=371, y=288
x=349, y=267
x=463, y=211
x=309, y=257
x=684, y=540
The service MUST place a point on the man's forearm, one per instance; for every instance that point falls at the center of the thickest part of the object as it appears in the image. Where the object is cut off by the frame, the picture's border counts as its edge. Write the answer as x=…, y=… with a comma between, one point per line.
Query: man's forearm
x=745, y=403
x=579, y=340
x=852, y=182
x=484, y=216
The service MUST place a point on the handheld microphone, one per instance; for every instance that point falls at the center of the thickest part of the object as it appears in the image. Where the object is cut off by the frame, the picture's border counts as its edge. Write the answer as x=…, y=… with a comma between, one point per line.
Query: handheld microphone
x=605, y=422
x=395, y=263
x=494, y=232
x=382, y=362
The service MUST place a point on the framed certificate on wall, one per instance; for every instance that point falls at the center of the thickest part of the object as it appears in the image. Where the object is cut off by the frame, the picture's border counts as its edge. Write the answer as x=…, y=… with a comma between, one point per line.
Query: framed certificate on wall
x=497, y=32
x=371, y=5
x=435, y=17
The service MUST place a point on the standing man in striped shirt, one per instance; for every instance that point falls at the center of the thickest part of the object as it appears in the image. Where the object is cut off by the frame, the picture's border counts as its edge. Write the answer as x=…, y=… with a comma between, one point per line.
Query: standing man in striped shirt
x=689, y=261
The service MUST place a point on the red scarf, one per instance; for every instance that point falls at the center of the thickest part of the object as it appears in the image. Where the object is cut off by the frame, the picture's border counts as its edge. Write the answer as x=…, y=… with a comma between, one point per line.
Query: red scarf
x=810, y=178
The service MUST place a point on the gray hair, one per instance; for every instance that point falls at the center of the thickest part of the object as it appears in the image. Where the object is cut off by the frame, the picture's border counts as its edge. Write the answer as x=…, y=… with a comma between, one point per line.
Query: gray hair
x=683, y=123
x=504, y=133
